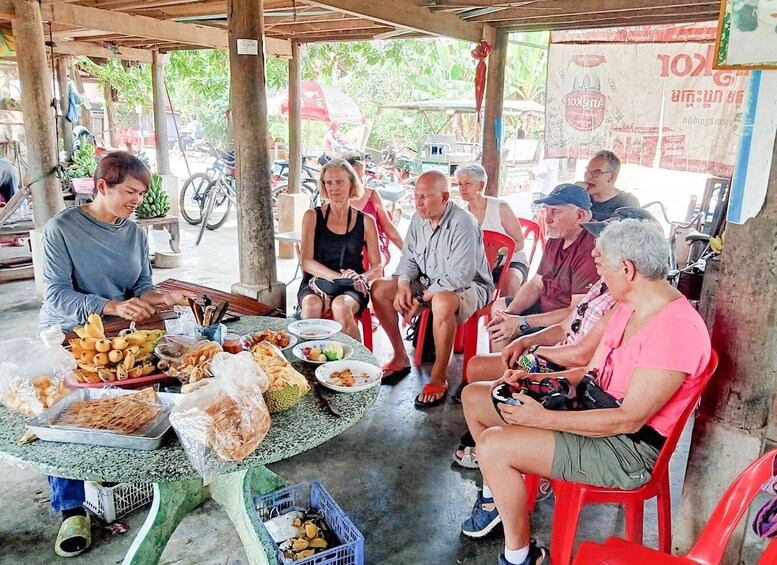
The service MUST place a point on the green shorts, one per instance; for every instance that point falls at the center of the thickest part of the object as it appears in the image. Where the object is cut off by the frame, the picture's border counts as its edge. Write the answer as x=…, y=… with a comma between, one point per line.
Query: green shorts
x=613, y=461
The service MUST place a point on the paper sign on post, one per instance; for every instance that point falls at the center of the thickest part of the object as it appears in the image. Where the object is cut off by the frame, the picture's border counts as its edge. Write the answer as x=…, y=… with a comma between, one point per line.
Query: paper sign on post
x=247, y=47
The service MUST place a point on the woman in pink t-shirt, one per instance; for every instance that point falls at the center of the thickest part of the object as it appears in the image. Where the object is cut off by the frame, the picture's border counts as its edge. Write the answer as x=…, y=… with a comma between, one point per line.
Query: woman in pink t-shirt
x=653, y=353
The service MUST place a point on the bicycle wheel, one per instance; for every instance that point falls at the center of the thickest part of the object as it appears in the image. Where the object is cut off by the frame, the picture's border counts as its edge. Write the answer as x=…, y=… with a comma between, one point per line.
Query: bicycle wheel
x=210, y=199
x=222, y=205
x=192, y=197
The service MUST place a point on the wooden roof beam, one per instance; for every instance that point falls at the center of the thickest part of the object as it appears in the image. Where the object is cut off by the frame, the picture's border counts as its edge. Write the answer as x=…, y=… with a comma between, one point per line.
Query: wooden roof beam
x=566, y=8
x=142, y=26
x=408, y=15
x=646, y=18
x=77, y=48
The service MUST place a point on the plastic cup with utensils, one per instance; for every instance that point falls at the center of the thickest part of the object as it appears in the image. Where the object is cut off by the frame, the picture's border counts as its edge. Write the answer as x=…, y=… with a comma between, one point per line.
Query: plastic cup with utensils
x=216, y=333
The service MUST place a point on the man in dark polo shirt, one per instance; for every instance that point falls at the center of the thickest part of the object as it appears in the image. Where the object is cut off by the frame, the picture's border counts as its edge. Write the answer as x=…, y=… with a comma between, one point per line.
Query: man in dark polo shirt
x=565, y=274
x=600, y=176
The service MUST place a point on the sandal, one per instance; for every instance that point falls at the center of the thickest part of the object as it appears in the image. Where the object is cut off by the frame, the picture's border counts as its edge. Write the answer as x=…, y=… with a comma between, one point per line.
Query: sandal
x=393, y=373
x=442, y=390
x=74, y=527
x=469, y=460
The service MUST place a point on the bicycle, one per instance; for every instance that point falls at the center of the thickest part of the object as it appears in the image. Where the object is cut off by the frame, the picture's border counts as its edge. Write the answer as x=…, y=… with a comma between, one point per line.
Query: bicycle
x=192, y=197
x=690, y=235
x=218, y=199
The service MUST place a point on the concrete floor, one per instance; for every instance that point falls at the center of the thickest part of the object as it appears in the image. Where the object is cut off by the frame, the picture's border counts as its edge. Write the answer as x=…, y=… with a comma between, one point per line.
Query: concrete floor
x=391, y=473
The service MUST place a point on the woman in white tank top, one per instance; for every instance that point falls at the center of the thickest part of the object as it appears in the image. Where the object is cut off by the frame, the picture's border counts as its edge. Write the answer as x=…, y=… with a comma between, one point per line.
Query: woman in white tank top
x=494, y=215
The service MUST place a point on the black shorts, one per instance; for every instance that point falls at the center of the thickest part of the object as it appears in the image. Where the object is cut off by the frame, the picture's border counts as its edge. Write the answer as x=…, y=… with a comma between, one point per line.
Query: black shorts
x=517, y=265
x=361, y=299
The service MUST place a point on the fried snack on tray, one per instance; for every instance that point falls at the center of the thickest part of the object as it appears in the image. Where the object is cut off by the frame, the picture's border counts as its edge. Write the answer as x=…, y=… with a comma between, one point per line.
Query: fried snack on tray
x=195, y=365
x=279, y=338
x=125, y=414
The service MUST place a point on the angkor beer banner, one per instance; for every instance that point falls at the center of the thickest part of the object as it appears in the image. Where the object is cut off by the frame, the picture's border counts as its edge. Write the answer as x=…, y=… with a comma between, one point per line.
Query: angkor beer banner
x=654, y=104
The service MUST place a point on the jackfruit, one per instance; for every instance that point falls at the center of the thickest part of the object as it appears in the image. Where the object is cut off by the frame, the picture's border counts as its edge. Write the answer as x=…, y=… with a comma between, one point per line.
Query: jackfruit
x=281, y=399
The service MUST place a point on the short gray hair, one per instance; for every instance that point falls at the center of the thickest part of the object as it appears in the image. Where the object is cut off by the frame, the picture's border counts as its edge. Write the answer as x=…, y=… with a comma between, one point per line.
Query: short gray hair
x=640, y=241
x=475, y=171
x=613, y=163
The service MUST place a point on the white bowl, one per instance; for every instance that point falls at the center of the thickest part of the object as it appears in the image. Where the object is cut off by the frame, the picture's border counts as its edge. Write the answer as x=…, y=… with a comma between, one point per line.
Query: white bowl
x=297, y=351
x=372, y=372
x=314, y=328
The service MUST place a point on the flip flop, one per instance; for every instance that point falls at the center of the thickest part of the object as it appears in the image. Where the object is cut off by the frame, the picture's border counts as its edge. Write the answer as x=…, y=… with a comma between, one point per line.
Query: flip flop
x=393, y=373
x=73, y=527
x=431, y=389
x=469, y=460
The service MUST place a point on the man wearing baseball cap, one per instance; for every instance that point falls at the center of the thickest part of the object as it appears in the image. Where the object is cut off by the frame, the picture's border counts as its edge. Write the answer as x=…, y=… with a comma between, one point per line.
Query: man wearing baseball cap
x=565, y=274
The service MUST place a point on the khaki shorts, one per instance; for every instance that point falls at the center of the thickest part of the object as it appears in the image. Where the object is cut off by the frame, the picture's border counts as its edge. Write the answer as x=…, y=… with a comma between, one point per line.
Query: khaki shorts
x=471, y=299
x=613, y=461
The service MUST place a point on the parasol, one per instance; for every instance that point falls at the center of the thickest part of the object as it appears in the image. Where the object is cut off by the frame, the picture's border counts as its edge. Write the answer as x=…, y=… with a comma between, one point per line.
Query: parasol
x=320, y=103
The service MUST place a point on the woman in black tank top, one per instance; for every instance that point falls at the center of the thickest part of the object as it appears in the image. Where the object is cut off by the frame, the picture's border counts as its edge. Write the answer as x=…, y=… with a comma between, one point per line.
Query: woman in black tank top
x=334, y=238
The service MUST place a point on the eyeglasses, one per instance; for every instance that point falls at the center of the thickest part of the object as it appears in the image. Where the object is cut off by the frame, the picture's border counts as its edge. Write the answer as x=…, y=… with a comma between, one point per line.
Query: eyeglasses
x=596, y=173
x=581, y=310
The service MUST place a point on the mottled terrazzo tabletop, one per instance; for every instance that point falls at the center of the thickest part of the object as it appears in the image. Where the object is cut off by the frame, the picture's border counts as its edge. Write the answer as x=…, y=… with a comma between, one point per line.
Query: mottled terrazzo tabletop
x=303, y=427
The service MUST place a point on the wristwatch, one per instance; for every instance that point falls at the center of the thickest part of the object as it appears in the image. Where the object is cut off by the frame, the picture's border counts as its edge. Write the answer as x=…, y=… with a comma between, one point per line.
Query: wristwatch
x=419, y=295
x=523, y=323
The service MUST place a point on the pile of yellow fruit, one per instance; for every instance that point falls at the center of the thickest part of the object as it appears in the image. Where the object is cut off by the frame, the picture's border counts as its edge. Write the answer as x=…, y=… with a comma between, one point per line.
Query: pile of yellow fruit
x=103, y=359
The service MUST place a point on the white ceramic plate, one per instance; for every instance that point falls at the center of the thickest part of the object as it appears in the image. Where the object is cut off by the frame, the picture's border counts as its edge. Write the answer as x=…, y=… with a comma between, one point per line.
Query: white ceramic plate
x=297, y=351
x=367, y=376
x=247, y=340
x=314, y=328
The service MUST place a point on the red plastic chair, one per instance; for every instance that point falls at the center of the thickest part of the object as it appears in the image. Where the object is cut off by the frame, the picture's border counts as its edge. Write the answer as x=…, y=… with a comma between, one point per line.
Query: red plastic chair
x=493, y=242
x=709, y=548
x=571, y=497
x=532, y=229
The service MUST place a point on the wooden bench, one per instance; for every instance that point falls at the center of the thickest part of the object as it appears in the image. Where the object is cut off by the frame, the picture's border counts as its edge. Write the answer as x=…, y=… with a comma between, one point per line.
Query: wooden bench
x=169, y=223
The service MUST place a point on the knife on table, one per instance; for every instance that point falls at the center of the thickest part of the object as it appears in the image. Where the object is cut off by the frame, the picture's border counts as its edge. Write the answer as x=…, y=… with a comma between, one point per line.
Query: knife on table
x=328, y=403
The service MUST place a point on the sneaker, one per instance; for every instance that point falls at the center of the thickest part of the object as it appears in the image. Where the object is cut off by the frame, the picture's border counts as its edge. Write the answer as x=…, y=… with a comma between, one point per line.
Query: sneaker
x=485, y=517
x=537, y=556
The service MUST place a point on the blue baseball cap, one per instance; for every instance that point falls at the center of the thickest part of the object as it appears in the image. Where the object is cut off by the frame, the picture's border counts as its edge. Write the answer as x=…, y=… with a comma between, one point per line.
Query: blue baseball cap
x=567, y=193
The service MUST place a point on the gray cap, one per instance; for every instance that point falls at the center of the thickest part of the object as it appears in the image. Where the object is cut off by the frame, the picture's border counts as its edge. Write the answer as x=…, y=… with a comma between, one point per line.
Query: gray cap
x=622, y=213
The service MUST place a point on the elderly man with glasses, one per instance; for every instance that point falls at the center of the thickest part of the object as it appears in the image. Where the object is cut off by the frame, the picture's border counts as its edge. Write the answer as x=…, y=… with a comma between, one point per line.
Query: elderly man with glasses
x=600, y=176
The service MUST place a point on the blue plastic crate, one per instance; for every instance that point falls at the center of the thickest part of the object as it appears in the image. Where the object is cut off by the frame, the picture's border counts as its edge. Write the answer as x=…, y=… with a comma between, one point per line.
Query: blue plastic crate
x=313, y=495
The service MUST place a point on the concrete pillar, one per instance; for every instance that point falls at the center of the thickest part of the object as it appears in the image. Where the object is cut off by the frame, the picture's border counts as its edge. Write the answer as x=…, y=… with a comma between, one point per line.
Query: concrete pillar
x=290, y=210
x=492, y=115
x=295, y=119
x=737, y=420
x=39, y=122
x=65, y=127
x=258, y=275
x=160, y=113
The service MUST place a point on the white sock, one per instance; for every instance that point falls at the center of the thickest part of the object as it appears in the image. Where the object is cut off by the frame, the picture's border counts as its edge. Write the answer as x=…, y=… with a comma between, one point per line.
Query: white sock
x=487, y=492
x=516, y=556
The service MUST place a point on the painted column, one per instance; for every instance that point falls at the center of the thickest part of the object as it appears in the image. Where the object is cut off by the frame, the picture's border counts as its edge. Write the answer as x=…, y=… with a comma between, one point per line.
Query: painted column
x=160, y=112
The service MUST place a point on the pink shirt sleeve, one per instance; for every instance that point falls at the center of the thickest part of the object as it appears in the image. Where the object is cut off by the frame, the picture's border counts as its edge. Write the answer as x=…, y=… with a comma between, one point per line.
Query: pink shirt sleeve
x=672, y=344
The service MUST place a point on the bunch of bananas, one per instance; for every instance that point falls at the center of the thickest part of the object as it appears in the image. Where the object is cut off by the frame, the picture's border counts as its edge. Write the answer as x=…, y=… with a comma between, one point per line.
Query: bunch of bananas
x=716, y=243
x=103, y=359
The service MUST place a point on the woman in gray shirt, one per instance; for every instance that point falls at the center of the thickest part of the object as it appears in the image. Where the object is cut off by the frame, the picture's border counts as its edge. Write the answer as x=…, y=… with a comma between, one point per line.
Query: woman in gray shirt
x=95, y=260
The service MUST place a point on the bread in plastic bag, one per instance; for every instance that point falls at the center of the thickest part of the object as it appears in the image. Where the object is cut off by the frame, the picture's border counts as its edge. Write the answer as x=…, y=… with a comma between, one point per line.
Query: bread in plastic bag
x=34, y=375
x=221, y=422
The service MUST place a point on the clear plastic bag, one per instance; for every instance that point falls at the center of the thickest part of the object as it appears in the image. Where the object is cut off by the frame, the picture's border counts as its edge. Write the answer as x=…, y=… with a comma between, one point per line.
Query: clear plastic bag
x=34, y=375
x=221, y=422
x=228, y=365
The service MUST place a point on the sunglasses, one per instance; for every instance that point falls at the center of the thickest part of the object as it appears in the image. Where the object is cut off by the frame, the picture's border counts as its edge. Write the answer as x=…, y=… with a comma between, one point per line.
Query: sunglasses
x=581, y=310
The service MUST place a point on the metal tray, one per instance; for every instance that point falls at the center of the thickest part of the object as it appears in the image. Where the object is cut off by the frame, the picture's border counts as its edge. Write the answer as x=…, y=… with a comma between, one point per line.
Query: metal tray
x=150, y=439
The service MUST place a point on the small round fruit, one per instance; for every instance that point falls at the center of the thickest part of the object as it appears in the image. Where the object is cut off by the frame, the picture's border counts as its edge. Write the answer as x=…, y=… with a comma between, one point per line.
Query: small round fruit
x=100, y=359
x=115, y=355
x=103, y=345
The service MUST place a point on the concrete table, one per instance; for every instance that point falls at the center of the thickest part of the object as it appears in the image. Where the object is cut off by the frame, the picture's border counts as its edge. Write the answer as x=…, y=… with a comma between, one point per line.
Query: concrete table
x=178, y=488
x=169, y=223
